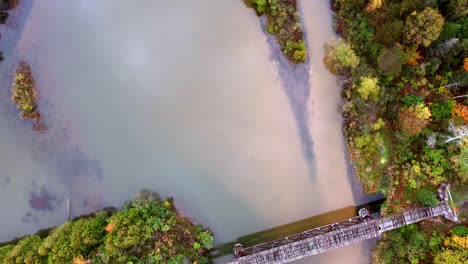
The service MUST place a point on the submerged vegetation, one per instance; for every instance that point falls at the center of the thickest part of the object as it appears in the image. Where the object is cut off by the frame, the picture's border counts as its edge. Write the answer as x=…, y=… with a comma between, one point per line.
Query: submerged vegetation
x=146, y=230
x=5, y=7
x=24, y=94
x=404, y=69
x=284, y=23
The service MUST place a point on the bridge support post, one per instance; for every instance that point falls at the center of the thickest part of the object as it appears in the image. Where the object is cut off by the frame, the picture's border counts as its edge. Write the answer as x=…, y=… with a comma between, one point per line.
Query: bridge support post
x=237, y=250
x=363, y=213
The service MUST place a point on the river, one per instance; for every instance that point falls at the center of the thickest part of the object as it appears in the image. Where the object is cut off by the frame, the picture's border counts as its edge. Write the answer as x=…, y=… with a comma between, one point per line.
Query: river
x=181, y=97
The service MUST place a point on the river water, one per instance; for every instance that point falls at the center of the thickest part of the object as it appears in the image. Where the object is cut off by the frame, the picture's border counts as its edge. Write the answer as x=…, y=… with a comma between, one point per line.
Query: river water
x=181, y=97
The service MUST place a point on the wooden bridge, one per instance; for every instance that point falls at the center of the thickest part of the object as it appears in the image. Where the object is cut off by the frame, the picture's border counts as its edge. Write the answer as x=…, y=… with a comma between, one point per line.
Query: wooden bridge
x=340, y=234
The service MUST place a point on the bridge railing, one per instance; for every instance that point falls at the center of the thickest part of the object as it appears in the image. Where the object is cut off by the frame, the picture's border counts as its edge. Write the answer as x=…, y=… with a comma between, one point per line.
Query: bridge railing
x=239, y=251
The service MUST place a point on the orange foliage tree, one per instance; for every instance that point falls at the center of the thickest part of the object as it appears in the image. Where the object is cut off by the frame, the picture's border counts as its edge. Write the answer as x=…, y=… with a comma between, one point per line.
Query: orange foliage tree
x=414, y=119
x=462, y=111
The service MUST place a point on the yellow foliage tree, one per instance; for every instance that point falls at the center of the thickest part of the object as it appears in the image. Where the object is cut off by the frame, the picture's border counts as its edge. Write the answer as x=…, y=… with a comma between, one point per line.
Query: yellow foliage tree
x=457, y=242
x=368, y=88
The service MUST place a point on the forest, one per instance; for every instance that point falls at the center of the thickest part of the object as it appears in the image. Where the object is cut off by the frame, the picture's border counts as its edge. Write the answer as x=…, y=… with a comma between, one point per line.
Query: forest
x=403, y=65
x=146, y=229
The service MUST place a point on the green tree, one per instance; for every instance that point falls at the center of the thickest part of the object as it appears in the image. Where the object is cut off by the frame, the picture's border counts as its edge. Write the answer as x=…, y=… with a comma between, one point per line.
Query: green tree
x=57, y=246
x=260, y=5
x=389, y=33
x=86, y=233
x=206, y=239
x=128, y=229
x=339, y=56
x=368, y=88
x=426, y=197
x=25, y=252
x=442, y=110
x=5, y=251
x=390, y=61
x=460, y=230
x=451, y=30
x=424, y=27
x=412, y=99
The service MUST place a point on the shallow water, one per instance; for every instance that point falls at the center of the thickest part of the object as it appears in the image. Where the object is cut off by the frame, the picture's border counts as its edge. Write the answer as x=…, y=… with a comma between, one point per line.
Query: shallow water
x=181, y=97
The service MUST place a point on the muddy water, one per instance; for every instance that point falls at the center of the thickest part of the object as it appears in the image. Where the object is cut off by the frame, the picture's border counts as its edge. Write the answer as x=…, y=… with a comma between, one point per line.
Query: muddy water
x=182, y=97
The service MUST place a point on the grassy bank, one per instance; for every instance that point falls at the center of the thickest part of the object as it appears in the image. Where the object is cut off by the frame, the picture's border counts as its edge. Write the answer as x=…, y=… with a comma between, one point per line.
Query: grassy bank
x=284, y=23
x=146, y=230
x=295, y=227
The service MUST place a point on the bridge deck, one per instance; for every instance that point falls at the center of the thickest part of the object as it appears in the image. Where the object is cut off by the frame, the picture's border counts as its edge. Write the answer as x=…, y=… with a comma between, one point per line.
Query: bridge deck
x=303, y=245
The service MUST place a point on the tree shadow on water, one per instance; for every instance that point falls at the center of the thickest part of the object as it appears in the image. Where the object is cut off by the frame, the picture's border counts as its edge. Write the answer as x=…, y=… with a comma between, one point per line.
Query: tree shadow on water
x=294, y=79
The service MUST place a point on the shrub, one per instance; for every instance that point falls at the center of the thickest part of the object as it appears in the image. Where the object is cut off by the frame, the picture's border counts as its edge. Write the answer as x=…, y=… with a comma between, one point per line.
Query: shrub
x=260, y=5
x=412, y=100
x=426, y=197
x=206, y=239
x=460, y=230
x=378, y=125
x=442, y=110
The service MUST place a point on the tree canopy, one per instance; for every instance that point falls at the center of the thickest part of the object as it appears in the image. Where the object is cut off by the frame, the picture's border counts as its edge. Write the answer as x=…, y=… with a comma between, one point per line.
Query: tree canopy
x=368, y=88
x=146, y=230
x=339, y=56
x=424, y=27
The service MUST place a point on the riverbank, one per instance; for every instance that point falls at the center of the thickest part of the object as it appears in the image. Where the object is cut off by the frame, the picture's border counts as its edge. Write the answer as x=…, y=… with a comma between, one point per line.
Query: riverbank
x=146, y=228
x=403, y=88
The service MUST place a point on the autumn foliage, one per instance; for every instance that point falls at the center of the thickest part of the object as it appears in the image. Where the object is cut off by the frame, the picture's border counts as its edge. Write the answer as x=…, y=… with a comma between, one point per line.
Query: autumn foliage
x=24, y=93
x=414, y=119
x=462, y=111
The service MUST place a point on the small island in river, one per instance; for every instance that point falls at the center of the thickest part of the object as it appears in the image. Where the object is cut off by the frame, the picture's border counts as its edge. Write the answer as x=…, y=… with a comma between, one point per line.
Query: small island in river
x=25, y=95
x=284, y=23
